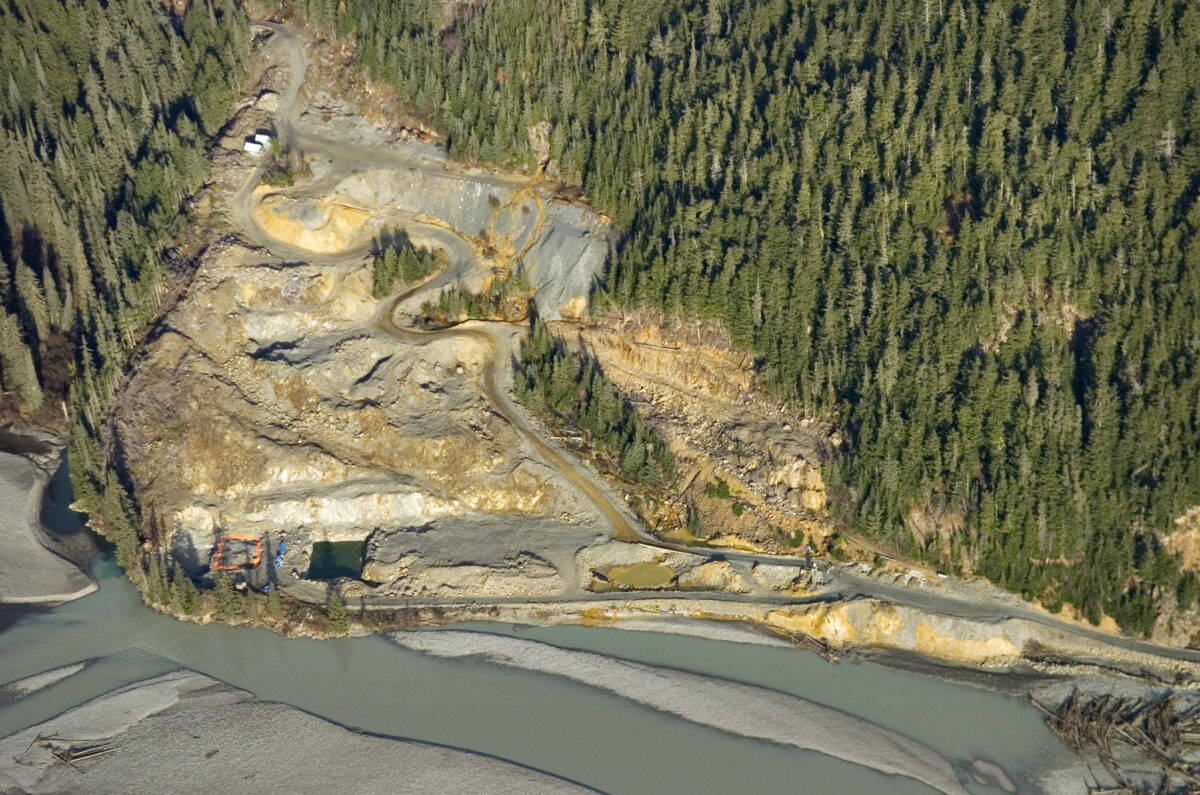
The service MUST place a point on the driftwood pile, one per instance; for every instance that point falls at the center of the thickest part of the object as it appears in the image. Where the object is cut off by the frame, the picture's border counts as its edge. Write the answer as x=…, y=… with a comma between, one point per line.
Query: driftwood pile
x=1164, y=733
x=69, y=752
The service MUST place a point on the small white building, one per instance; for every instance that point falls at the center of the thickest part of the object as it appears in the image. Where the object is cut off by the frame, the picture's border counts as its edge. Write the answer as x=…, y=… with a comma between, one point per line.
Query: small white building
x=262, y=138
x=253, y=148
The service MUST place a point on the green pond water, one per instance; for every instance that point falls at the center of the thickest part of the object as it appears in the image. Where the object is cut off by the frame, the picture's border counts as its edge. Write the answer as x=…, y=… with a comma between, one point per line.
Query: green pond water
x=333, y=559
x=544, y=722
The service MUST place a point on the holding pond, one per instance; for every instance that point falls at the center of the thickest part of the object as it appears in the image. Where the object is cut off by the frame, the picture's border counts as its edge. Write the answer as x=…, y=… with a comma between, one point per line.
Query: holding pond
x=333, y=559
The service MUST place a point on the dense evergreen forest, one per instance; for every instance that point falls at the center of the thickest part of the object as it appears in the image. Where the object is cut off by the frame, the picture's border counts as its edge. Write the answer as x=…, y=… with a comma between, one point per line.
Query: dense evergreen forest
x=575, y=392
x=105, y=114
x=965, y=229
x=502, y=298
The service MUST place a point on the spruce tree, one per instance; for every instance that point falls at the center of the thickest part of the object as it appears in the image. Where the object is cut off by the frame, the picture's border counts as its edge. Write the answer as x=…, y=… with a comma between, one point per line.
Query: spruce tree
x=985, y=271
x=229, y=602
x=184, y=595
x=335, y=610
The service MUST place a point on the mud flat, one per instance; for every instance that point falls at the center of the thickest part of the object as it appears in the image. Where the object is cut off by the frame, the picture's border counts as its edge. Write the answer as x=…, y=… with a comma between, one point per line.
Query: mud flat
x=187, y=732
x=34, y=568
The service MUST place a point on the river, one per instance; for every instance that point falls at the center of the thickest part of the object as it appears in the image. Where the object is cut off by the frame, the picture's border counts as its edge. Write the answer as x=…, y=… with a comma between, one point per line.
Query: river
x=545, y=722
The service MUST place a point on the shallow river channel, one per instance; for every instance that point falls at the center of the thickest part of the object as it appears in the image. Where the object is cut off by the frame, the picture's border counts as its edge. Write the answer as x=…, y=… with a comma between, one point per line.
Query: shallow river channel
x=549, y=723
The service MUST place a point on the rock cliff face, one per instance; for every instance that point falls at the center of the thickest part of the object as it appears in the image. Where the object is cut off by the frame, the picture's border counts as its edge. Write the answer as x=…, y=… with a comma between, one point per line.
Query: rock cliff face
x=560, y=246
x=726, y=430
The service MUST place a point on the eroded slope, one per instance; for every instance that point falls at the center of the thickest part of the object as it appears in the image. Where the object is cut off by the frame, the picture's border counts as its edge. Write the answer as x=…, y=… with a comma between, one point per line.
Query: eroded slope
x=278, y=403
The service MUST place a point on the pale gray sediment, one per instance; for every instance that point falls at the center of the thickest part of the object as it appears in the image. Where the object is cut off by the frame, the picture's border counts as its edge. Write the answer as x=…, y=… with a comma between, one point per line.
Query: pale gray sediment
x=187, y=732
x=728, y=706
x=31, y=571
x=32, y=684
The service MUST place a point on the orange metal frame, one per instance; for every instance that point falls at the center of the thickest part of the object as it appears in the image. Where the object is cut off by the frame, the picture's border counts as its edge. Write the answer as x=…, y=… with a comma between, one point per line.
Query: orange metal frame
x=221, y=550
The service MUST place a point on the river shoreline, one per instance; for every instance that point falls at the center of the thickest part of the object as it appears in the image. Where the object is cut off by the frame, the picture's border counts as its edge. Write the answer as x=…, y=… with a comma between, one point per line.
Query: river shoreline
x=370, y=684
x=1011, y=654
x=825, y=607
x=186, y=730
x=37, y=566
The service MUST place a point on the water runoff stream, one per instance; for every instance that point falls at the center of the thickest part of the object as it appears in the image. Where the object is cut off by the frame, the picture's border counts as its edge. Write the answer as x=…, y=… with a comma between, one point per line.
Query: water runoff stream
x=553, y=724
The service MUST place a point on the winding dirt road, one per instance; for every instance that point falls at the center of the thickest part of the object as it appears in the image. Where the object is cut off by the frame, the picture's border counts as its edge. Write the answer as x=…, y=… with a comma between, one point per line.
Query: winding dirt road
x=346, y=159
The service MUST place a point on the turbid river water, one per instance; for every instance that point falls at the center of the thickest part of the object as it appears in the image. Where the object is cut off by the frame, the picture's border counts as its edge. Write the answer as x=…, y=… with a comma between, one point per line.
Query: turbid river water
x=546, y=722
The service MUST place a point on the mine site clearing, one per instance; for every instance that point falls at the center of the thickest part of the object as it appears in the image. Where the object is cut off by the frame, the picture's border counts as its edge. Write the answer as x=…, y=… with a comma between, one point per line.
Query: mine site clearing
x=332, y=220
x=390, y=463
x=392, y=422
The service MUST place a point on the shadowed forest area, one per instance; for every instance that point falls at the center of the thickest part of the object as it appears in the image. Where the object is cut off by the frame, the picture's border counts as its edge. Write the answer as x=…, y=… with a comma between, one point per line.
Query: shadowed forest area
x=964, y=230
x=106, y=112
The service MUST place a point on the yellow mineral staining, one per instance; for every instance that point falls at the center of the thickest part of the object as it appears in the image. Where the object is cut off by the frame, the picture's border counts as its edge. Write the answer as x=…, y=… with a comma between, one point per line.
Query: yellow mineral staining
x=806, y=477
x=1185, y=541
x=574, y=308
x=735, y=542
x=994, y=650
x=822, y=622
x=324, y=226
x=887, y=622
x=1069, y=613
x=716, y=575
x=873, y=624
x=595, y=616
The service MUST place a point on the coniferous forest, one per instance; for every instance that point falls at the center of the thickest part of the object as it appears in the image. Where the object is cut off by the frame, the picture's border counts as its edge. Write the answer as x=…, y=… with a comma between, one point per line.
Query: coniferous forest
x=573, y=389
x=106, y=112
x=963, y=229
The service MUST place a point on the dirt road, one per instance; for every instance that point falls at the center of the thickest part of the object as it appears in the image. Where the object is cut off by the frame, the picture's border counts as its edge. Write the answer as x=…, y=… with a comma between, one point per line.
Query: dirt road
x=348, y=158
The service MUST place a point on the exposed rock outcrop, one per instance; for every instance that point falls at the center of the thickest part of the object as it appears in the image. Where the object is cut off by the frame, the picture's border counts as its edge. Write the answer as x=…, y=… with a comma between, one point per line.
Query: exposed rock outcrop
x=301, y=416
x=561, y=246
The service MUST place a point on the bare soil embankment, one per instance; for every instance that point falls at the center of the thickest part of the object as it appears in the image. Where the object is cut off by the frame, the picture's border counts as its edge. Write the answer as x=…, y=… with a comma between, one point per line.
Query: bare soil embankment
x=305, y=416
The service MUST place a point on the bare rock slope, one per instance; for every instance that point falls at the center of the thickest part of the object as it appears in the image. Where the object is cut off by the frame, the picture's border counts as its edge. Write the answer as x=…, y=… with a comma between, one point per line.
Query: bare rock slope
x=278, y=403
